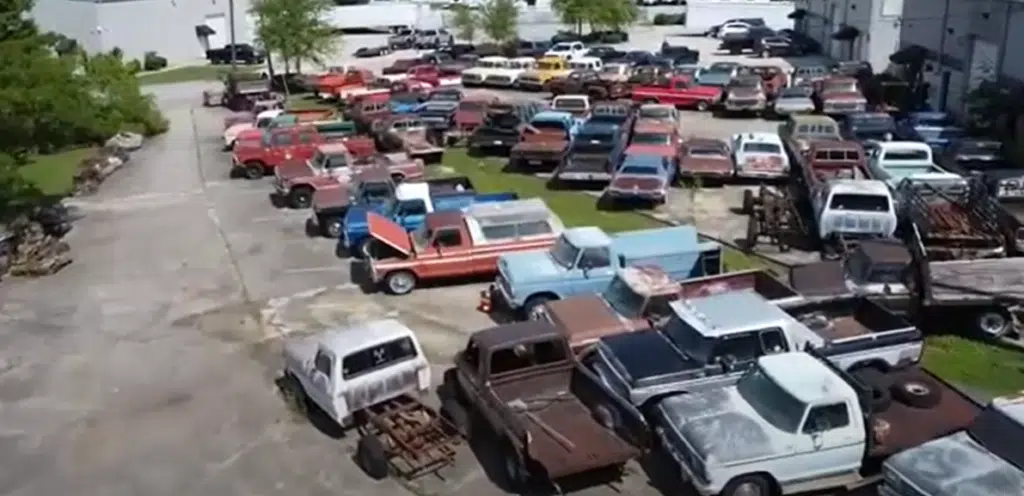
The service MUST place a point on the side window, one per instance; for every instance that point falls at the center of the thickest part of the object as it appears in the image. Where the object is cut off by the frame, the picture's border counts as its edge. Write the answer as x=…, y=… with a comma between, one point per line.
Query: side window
x=499, y=231
x=377, y=357
x=398, y=125
x=448, y=238
x=820, y=155
x=307, y=138
x=322, y=363
x=414, y=207
x=534, y=228
x=773, y=341
x=679, y=85
x=336, y=161
x=595, y=258
x=658, y=307
x=741, y=348
x=283, y=139
x=526, y=355
x=827, y=417
x=802, y=129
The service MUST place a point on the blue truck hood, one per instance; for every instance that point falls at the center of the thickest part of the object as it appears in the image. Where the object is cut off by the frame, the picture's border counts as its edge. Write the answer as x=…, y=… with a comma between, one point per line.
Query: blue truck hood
x=404, y=107
x=358, y=215
x=530, y=266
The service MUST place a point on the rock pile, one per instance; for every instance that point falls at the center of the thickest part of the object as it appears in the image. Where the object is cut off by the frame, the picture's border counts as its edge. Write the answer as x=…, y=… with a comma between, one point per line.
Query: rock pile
x=93, y=170
x=31, y=252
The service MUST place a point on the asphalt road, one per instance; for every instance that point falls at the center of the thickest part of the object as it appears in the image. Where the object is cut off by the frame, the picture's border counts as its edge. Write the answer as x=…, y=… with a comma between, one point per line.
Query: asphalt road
x=147, y=366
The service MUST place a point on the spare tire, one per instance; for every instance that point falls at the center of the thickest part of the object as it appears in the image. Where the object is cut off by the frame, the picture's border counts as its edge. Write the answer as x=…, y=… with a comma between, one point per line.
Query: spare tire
x=878, y=385
x=919, y=392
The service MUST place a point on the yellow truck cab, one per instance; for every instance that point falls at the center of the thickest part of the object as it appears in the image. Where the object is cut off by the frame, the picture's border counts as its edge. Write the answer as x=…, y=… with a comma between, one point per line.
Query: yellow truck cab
x=547, y=69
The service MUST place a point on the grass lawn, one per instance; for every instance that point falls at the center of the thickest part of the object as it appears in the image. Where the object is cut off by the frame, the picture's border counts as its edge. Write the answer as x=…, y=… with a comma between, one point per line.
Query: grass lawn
x=983, y=367
x=191, y=73
x=308, y=103
x=53, y=173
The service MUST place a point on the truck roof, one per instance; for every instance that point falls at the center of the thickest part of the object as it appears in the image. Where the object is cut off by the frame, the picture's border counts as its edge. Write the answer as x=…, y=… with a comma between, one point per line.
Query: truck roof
x=725, y=313
x=346, y=340
x=481, y=215
x=648, y=243
x=516, y=332
x=806, y=378
x=332, y=148
x=859, y=186
x=760, y=138
x=587, y=237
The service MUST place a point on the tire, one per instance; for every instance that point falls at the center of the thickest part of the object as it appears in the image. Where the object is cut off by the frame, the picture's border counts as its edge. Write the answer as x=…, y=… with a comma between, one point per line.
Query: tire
x=332, y=228
x=703, y=106
x=607, y=416
x=993, y=323
x=920, y=392
x=254, y=170
x=457, y=416
x=400, y=282
x=879, y=384
x=300, y=197
x=372, y=457
x=516, y=475
x=749, y=485
x=533, y=305
x=294, y=396
x=748, y=202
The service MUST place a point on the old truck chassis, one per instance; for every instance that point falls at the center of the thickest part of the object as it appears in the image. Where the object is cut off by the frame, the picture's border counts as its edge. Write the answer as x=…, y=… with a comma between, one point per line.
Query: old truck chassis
x=413, y=439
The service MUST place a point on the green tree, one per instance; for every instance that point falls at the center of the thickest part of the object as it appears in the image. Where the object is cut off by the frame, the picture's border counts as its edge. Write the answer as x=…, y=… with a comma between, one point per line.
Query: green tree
x=463, y=20
x=295, y=30
x=613, y=15
x=574, y=12
x=499, y=20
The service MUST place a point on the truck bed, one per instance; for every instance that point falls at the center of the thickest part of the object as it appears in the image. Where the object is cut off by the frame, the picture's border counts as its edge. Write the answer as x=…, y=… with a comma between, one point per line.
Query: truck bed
x=565, y=438
x=967, y=225
x=846, y=318
x=759, y=281
x=911, y=427
x=975, y=281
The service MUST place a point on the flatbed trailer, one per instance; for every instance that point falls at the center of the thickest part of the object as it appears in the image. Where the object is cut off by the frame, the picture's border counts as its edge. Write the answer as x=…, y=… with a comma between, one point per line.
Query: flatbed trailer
x=405, y=437
x=957, y=225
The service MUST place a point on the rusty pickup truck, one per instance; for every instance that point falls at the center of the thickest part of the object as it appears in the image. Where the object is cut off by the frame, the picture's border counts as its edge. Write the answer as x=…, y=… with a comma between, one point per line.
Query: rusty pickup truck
x=544, y=143
x=637, y=299
x=254, y=159
x=705, y=161
x=406, y=133
x=553, y=416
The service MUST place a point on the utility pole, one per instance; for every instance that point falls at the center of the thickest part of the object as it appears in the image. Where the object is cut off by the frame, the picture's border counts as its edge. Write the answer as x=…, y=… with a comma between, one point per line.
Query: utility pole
x=231, y=33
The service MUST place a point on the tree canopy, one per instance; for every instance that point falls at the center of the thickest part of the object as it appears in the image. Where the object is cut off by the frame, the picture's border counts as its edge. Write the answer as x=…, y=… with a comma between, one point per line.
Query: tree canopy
x=499, y=20
x=295, y=30
x=614, y=15
x=54, y=97
x=463, y=20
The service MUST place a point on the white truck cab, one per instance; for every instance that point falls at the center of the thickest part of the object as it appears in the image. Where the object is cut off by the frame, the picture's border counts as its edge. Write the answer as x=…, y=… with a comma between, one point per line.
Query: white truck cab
x=486, y=66
x=759, y=155
x=262, y=120
x=586, y=63
x=567, y=50
x=408, y=192
x=343, y=371
x=898, y=161
x=509, y=75
x=571, y=103
x=854, y=208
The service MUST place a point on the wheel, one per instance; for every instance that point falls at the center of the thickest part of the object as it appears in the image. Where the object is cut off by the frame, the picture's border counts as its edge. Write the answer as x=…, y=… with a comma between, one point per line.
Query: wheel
x=748, y=485
x=332, y=228
x=703, y=106
x=254, y=170
x=366, y=248
x=515, y=471
x=400, y=282
x=294, y=395
x=993, y=323
x=917, y=393
x=533, y=309
x=457, y=416
x=372, y=457
x=748, y=202
x=878, y=383
x=301, y=197
x=607, y=416
x=752, y=234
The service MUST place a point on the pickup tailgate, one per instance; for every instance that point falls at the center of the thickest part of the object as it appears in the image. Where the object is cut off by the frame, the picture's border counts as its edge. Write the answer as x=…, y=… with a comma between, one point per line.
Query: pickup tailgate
x=541, y=146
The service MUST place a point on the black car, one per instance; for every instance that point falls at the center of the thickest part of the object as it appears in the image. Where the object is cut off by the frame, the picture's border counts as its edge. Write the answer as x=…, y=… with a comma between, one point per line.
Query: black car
x=611, y=37
x=736, y=43
x=244, y=54
x=750, y=21
x=777, y=46
x=527, y=48
x=876, y=126
x=605, y=53
x=563, y=36
x=367, y=52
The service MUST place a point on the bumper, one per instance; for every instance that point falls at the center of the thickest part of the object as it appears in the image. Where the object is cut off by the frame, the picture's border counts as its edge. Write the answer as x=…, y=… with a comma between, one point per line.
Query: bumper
x=495, y=299
x=636, y=195
x=537, y=158
x=584, y=176
x=792, y=110
x=530, y=85
x=687, y=174
x=758, y=174
x=826, y=109
x=744, y=107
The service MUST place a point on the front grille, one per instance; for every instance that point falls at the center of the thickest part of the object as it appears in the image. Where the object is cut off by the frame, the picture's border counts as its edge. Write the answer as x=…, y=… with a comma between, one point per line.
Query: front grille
x=470, y=77
x=498, y=79
x=529, y=80
x=743, y=101
x=844, y=106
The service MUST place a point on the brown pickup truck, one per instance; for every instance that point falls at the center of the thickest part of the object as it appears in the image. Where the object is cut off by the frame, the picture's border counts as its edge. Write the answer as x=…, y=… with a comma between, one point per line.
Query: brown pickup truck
x=406, y=133
x=553, y=415
x=707, y=160
x=638, y=297
x=539, y=149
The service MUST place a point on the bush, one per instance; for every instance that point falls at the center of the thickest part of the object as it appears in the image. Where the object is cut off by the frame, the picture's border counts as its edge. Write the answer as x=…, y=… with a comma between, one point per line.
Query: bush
x=134, y=66
x=153, y=62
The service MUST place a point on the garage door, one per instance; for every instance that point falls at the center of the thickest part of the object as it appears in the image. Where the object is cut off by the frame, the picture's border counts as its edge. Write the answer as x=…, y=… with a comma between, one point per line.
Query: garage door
x=219, y=24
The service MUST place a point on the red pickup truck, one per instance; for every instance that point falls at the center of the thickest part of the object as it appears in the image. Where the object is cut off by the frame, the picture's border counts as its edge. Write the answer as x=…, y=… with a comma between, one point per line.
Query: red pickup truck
x=679, y=91
x=433, y=76
x=254, y=159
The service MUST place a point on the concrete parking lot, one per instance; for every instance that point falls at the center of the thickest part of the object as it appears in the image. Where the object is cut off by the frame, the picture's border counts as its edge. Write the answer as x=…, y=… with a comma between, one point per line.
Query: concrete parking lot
x=147, y=366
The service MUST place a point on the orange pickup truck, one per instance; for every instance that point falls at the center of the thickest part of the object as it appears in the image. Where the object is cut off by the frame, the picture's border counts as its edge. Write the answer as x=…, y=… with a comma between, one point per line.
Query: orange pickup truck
x=456, y=244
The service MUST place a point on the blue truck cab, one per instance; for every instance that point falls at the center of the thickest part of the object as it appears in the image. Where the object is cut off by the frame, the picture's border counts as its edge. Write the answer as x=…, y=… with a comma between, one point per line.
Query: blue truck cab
x=409, y=206
x=553, y=119
x=584, y=260
x=938, y=129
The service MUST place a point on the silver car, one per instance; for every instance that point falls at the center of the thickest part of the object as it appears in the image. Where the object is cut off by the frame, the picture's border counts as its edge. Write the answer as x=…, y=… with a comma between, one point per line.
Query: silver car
x=793, y=100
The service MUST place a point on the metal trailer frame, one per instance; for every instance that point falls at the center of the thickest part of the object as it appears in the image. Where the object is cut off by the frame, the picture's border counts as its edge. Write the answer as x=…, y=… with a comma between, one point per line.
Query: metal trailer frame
x=969, y=225
x=772, y=215
x=416, y=439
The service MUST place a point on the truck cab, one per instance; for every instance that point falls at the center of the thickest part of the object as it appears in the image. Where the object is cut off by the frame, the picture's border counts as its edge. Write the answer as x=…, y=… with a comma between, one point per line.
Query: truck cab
x=577, y=105
x=547, y=68
x=344, y=371
x=582, y=260
x=913, y=161
x=839, y=95
x=854, y=209
x=280, y=146
x=679, y=91
x=593, y=153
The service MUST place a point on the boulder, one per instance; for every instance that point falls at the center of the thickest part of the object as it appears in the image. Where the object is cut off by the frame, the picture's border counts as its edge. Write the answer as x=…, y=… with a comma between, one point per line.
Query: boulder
x=34, y=253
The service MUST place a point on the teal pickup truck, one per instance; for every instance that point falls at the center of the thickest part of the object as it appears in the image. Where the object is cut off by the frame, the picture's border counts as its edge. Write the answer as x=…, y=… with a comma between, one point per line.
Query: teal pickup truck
x=409, y=206
x=584, y=259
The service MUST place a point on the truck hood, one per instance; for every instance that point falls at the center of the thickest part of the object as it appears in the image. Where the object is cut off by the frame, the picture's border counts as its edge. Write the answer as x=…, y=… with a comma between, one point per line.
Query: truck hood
x=627, y=182
x=386, y=231
x=530, y=266
x=295, y=169
x=843, y=96
x=234, y=130
x=720, y=426
x=955, y=465
x=706, y=164
x=586, y=319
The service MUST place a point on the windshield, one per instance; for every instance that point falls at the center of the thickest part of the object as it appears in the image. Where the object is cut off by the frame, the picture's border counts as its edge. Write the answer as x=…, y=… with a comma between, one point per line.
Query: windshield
x=639, y=171
x=651, y=139
x=561, y=47
x=859, y=203
x=655, y=113
x=374, y=191
x=762, y=148
x=549, y=66
x=264, y=122
x=319, y=160
x=420, y=237
x=999, y=434
x=795, y=93
x=489, y=64
x=692, y=343
x=916, y=155
x=772, y=403
x=623, y=299
x=843, y=87
x=472, y=106
x=564, y=252
x=553, y=125
x=579, y=65
x=706, y=152
x=570, y=104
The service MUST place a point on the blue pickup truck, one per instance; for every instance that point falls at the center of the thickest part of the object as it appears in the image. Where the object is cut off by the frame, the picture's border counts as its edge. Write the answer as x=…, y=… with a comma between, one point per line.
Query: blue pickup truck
x=409, y=208
x=584, y=259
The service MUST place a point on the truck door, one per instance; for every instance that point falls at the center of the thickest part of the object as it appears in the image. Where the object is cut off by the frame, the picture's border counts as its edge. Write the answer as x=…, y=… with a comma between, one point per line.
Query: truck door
x=305, y=146
x=280, y=150
x=831, y=442
x=453, y=248
x=593, y=271
x=680, y=94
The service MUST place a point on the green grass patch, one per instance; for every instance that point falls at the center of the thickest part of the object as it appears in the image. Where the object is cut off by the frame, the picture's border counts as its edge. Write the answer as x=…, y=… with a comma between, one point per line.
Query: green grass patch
x=308, y=103
x=991, y=368
x=53, y=174
x=191, y=73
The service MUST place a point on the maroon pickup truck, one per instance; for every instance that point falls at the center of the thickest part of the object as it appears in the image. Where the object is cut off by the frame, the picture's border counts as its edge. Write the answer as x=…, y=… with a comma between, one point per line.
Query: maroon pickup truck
x=280, y=146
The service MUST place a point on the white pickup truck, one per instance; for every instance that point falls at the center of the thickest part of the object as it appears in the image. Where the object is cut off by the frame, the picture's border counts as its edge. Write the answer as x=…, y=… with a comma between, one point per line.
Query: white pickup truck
x=707, y=343
x=796, y=423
